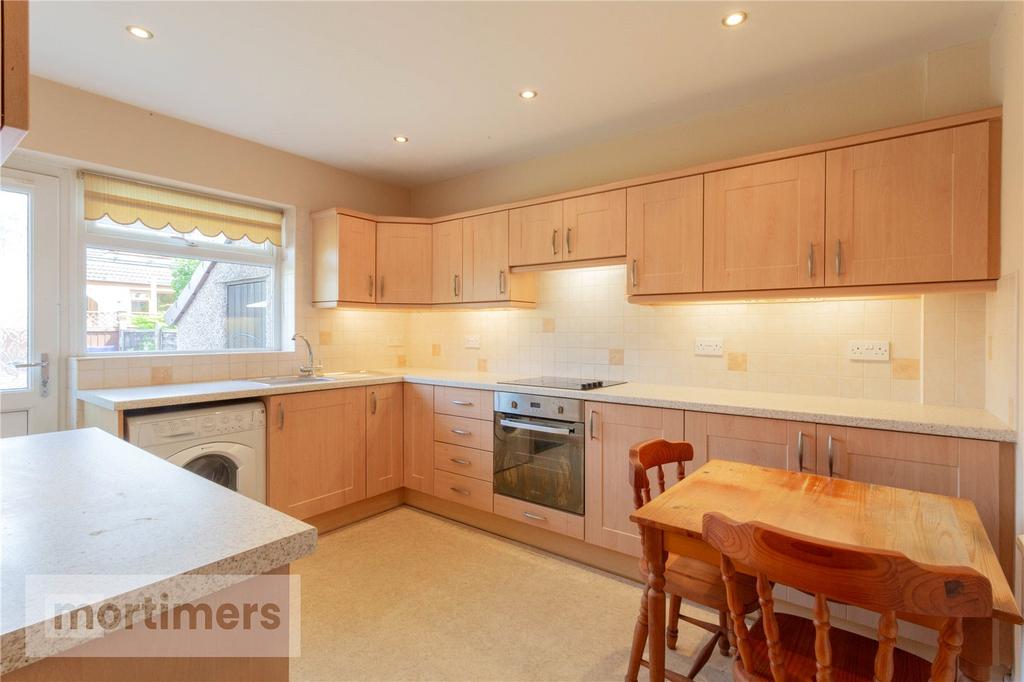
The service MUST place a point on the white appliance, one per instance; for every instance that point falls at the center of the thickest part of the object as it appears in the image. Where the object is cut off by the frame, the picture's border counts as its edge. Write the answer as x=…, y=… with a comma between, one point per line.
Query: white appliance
x=225, y=444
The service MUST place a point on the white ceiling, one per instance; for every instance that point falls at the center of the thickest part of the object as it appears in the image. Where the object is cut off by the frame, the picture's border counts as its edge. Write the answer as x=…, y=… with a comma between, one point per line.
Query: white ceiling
x=334, y=81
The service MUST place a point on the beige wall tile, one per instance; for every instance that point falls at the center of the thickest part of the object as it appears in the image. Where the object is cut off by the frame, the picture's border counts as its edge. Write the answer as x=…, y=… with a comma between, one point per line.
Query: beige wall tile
x=906, y=368
x=736, y=362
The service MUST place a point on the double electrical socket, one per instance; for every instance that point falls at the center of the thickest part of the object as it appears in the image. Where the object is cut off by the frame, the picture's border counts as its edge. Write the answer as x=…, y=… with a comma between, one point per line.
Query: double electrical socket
x=472, y=341
x=877, y=351
x=708, y=346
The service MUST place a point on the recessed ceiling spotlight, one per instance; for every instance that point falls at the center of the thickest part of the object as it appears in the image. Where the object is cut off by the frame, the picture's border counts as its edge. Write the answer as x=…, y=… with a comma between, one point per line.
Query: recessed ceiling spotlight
x=139, y=32
x=734, y=19
x=400, y=139
x=528, y=94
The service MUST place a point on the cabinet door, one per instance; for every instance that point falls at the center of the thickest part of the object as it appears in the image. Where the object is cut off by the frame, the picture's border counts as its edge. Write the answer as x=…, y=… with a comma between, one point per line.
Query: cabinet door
x=344, y=258
x=752, y=440
x=316, y=451
x=448, y=282
x=485, y=257
x=912, y=209
x=384, y=443
x=595, y=225
x=764, y=225
x=535, y=234
x=418, y=437
x=403, y=263
x=610, y=431
x=665, y=237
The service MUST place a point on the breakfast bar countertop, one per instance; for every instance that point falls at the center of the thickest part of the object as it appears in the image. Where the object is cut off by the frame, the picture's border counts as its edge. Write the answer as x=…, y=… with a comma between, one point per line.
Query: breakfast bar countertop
x=85, y=503
x=888, y=415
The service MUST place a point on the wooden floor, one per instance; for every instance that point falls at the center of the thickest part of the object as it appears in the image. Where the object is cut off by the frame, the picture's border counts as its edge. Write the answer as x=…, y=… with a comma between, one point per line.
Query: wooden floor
x=410, y=596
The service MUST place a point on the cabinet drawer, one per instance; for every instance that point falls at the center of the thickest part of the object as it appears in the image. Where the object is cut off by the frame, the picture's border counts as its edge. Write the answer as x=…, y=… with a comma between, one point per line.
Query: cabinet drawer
x=470, y=433
x=463, y=489
x=541, y=517
x=464, y=461
x=463, y=402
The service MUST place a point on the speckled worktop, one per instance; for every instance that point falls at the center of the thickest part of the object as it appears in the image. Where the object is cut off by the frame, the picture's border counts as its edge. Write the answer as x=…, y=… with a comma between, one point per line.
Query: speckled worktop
x=84, y=502
x=875, y=414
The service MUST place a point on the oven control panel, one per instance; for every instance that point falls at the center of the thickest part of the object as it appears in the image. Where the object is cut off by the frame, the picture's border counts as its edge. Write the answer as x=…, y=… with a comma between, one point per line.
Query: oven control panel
x=548, y=407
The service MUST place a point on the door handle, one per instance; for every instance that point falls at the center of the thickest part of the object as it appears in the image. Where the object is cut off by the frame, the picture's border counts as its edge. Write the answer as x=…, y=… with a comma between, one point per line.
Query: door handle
x=463, y=403
x=44, y=372
x=554, y=242
x=462, y=432
x=831, y=457
x=381, y=280
x=593, y=433
x=463, y=462
x=535, y=517
x=634, y=273
x=280, y=416
x=839, y=257
x=810, y=259
x=501, y=281
x=373, y=402
x=568, y=239
x=371, y=285
x=800, y=451
x=455, y=285
x=459, y=491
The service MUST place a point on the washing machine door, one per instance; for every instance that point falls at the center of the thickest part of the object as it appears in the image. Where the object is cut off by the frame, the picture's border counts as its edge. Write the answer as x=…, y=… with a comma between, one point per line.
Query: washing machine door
x=228, y=464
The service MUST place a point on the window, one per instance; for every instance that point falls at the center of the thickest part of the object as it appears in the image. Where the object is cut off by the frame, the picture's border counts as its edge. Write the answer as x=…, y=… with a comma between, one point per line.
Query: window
x=164, y=289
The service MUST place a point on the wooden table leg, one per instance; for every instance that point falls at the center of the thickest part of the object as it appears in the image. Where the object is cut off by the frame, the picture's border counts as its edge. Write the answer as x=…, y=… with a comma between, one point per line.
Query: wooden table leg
x=975, y=661
x=654, y=553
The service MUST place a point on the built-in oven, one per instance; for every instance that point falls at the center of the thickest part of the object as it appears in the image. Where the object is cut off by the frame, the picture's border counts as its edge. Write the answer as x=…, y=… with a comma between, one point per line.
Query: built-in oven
x=538, y=450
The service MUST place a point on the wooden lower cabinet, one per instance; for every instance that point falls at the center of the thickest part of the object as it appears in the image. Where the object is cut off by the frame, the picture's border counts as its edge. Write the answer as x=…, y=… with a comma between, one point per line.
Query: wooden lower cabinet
x=611, y=431
x=539, y=516
x=418, y=437
x=384, y=443
x=316, y=450
x=464, y=461
x=471, y=492
x=752, y=440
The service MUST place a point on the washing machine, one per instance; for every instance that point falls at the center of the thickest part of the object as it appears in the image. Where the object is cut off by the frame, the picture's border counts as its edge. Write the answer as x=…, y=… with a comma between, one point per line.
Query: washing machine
x=225, y=443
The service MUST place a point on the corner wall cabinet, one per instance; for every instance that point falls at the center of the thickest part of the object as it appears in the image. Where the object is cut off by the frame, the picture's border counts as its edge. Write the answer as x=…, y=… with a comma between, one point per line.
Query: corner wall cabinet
x=14, y=81
x=910, y=209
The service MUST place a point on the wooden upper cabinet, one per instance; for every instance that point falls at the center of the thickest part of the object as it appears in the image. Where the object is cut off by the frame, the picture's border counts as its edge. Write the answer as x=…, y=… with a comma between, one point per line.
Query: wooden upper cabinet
x=384, y=443
x=535, y=234
x=665, y=237
x=918, y=208
x=14, y=81
x=404, y=255
x=344, y=258
x=485, y=257
x=764, y=225
x=752, y=440
x=316, y=450
x=594, y=226
x=448, y=280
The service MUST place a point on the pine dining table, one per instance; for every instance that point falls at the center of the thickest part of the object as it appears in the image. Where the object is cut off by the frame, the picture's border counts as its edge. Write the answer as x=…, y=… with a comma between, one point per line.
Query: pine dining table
x=927, y=528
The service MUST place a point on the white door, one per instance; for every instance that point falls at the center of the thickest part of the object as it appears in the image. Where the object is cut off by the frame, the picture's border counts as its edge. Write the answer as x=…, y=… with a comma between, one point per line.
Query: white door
x=29, y=302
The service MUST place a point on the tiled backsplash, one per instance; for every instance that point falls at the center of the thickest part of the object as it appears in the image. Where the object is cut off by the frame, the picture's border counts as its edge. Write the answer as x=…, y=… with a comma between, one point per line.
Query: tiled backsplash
x=583, y=327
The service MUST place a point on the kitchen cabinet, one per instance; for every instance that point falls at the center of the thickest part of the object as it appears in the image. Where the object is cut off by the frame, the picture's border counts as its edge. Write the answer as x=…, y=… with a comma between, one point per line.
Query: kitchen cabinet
x=665, y=237
x=539, y=516
x=752, y=440
x=464, y=461
x=470, y=433
x=464, y=402
x=595, y=226
x=917, y=208
x=316, y=450
x=404, y=255
x=448, y=283
x=384, y=442
x=471, y=492
x=344, y=258
x=14, y=83
x=535, y=234
x=418, y=437
x=610, y=431
x=764, y=225
x=485, y=258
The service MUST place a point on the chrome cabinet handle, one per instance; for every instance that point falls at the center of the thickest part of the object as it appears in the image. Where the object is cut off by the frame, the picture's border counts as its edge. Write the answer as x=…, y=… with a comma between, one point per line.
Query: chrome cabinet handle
x=501, y=281
x=568, y=239
x=44, y=372
x=539, y=428
x=800, y=451
x=463, y=403
x=831, y=457
x=634, y=273
x=554, y=242
x=593, y=435
x=382, y=286
x=463, y=462
x=373, y=402
x=280, y=416
x=371, y=285
x=535, y=517
x=460, y=432
x=455, y=285
x=839, y=257
x=459, y=491
x=810, y=259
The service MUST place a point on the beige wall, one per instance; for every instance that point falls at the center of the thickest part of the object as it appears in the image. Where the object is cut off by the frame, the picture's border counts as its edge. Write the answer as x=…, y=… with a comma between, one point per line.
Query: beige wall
x=945, y=82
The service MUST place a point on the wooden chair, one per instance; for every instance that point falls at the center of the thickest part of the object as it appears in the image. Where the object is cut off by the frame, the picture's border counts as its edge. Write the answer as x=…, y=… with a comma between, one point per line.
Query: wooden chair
x=685, y=578
x=787, y=647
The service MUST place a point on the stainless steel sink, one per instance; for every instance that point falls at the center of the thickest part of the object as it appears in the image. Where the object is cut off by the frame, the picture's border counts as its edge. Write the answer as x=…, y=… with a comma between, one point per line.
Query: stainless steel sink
x=298, y=379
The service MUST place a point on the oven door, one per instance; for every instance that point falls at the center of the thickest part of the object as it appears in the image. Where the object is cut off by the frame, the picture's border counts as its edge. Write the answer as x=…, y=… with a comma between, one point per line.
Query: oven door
x=539, y=461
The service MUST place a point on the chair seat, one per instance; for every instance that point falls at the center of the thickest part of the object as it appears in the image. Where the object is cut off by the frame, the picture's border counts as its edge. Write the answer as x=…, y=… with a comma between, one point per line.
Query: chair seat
x=701, y=582
x=853, y=656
